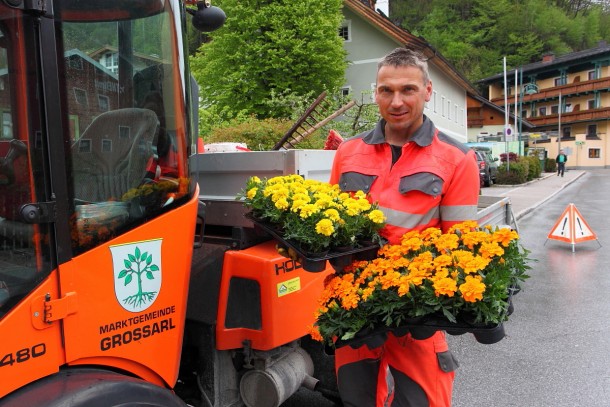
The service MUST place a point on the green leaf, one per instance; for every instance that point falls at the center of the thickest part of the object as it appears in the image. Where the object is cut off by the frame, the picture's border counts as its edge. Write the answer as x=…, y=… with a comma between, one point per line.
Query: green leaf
x=150, y=275
x=154, y=267
x=143, y=256
x=137, y=252
x=149, y=260
x=123, y=273
x=448, y=315
x=127, y=264
x=131, y=257
x=348, y=335
x=128, y=279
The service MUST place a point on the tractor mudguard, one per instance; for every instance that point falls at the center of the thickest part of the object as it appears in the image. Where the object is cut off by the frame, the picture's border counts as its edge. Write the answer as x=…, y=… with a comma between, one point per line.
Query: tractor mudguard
x=86, y=387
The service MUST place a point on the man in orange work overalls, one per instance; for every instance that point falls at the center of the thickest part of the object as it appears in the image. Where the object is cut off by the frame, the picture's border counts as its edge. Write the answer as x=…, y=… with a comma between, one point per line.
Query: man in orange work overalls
x=421, y=178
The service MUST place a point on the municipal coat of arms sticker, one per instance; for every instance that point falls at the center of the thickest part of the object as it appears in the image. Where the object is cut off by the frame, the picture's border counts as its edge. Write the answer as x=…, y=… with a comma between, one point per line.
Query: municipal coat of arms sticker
x=137, y=273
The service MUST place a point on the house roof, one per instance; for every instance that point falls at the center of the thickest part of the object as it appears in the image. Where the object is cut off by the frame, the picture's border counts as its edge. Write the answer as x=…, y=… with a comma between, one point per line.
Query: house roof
x=90, y=60
x=364, y=9
x=601, y=52
x=500, y=109
x=110, y=48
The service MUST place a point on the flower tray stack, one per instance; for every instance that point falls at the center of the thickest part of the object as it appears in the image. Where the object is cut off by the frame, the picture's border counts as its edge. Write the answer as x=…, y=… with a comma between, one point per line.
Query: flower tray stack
x=314, y=221
x=460, y=281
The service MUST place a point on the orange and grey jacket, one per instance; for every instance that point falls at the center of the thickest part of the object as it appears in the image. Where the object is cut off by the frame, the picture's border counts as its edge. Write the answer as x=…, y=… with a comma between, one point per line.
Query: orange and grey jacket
x=434, y=183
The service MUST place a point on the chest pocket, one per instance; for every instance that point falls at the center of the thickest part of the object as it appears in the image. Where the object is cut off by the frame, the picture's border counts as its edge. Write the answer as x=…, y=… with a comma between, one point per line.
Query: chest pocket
x=426, y=182
x=355, y=181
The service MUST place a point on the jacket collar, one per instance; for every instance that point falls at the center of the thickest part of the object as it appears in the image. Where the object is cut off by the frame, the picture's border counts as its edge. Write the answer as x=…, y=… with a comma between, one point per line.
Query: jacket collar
x=422, y=136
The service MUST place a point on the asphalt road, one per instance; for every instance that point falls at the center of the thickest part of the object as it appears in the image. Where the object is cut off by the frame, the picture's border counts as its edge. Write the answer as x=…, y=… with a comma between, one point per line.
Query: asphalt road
x=556, y=352
x=557, y=349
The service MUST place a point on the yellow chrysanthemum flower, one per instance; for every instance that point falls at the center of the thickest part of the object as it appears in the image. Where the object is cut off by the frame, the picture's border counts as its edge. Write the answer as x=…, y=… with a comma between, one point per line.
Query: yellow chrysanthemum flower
x=325, y=227
x=377, y=216
x=308, y=210
x=282, y=204
x=251, y=193
x=332, y=214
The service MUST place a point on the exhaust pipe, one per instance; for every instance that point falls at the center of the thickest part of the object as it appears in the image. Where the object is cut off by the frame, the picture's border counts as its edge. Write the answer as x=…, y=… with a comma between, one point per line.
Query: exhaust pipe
x=276, y=383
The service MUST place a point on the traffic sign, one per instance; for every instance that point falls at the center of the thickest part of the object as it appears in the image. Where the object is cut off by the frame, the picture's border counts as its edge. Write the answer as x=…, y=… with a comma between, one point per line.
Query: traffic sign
x=571, y=227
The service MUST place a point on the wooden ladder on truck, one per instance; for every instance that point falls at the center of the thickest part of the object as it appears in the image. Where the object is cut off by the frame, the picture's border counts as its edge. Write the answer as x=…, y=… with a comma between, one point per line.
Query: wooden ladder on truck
x=319, y=113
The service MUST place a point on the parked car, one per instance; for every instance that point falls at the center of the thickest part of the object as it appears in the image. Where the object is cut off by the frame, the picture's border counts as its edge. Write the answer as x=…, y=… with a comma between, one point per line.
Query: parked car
x=488, y=166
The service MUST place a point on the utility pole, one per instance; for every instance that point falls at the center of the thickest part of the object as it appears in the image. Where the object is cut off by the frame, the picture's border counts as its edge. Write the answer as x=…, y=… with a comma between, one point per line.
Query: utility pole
x=506, y=111
x=559, y=125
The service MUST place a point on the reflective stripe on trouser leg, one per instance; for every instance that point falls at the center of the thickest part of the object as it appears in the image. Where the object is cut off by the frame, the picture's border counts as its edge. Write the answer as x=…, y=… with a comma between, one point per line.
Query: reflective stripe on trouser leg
x=418, y=377
x=358, y=372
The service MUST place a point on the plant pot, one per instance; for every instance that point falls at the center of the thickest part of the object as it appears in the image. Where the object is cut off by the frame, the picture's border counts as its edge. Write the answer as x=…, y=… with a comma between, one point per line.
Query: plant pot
x=422, y=332
x=343, y=248
x=341, y=262
x=314, y=262
x=490, y=336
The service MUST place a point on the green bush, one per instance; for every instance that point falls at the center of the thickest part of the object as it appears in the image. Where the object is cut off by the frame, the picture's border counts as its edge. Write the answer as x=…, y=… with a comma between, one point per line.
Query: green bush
x=260, y=135
x=534, y=167
x=550, y=165
x=517, y=173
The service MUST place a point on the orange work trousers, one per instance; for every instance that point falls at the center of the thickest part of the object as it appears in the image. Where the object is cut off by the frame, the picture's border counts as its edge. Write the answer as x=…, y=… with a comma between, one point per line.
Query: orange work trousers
x=403, y=372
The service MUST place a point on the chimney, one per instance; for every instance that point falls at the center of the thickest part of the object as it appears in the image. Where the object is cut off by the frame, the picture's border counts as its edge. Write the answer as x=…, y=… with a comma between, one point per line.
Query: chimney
x=550, y=57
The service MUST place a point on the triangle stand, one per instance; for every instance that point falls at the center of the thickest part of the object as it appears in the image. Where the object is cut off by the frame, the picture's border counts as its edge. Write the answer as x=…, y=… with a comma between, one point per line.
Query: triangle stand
x=572, y=228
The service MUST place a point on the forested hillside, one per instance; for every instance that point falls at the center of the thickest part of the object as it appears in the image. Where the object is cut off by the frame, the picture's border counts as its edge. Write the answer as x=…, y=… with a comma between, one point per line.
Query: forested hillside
x=475, y=35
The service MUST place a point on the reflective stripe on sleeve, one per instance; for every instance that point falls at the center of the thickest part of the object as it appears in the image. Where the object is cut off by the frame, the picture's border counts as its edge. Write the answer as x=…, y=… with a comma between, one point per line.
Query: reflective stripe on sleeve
x=409, y=220
x=450, y=213
x=458, y=213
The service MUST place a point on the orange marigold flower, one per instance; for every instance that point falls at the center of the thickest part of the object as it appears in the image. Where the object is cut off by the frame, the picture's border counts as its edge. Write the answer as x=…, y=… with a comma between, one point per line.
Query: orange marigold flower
x=314, y=332
x=350, y=301
x=410, y=234
x=443, y=260
x=430, y=234
x=447, y=242
x=489, y=250
x=393, y=251
x=474, y=264
x=472, y=289
x=413, y=243
x=504, y=236
x=367, y=292
x=463, y=227
x=391, y=279
x=471, y=239
x=445, y=286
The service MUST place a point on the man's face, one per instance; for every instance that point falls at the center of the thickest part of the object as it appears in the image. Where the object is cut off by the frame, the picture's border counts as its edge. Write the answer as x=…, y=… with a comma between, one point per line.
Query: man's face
x=401, y=95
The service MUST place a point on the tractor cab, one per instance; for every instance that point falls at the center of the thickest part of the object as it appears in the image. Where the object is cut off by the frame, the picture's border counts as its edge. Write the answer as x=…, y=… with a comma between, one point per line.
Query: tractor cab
x=95, y=131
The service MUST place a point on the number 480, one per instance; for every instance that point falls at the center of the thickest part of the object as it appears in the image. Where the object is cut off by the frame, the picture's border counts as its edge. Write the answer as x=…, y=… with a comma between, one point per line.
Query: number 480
x=23, y=355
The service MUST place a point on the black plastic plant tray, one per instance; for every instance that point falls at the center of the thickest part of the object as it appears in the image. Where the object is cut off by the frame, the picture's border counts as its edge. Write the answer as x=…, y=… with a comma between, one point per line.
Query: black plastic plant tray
x=424, y=328
x=317, y=263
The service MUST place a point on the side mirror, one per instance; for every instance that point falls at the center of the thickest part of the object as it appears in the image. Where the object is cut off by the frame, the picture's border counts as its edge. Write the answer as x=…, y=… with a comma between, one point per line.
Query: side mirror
x=207, y=17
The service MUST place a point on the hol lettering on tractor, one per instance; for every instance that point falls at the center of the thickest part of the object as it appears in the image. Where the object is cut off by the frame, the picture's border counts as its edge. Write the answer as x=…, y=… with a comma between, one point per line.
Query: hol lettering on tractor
x=112, y=291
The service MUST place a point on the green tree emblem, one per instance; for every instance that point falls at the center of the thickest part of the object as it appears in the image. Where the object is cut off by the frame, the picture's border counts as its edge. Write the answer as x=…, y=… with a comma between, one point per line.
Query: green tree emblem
x=138, y=265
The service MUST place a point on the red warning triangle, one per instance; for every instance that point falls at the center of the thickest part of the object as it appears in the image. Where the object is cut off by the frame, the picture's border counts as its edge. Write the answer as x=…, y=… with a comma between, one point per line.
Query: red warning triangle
x=571, y=227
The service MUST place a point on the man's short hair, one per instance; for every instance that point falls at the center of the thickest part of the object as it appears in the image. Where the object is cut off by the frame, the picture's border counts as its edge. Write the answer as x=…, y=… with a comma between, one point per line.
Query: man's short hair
x=406, y=57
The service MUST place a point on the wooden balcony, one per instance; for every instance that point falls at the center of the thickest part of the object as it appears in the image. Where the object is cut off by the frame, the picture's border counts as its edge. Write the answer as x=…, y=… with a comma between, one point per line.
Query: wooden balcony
x=475, y=122
x=571, y=117
x=571, y=90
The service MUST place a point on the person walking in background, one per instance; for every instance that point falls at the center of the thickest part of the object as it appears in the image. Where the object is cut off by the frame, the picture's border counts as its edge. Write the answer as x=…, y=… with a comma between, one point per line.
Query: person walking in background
x=561, y=162
x=421, y=178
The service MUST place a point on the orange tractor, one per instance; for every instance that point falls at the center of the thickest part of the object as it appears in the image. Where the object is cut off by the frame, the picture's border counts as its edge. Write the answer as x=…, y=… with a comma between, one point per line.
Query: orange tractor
x=115, y=287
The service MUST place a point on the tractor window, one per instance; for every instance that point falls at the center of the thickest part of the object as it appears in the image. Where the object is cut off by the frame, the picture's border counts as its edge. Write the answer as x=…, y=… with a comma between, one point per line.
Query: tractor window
x=24, y=248
x=128, y=133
